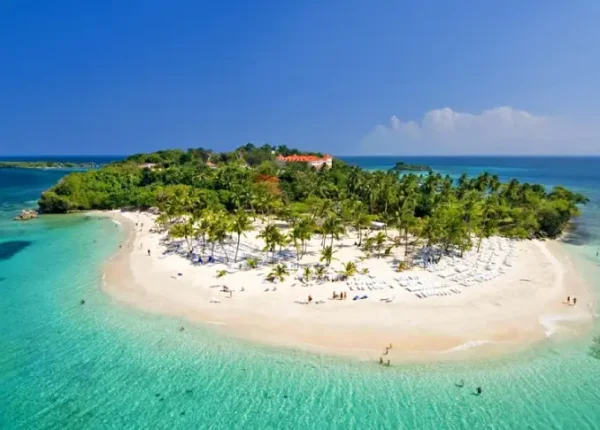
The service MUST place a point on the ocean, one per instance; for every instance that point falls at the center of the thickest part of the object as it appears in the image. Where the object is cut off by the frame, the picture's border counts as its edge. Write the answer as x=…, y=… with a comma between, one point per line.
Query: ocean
x=103, y=365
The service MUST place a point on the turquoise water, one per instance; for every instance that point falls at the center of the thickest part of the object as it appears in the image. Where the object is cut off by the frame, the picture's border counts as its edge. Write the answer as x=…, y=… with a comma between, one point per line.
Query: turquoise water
x=103, y=365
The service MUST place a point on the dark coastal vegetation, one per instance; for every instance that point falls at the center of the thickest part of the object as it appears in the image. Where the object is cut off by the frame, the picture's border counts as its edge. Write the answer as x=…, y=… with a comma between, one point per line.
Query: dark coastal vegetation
x=45, y=165
x=401, y=166
x=220, y=192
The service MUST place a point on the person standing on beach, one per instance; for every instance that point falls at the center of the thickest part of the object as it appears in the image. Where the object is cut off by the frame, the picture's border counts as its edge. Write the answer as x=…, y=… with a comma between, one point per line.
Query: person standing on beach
x=568, y=300
x=574, y=301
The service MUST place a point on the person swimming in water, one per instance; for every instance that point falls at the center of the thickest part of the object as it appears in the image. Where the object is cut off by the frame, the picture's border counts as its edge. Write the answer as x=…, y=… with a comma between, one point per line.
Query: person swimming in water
x=479, y=391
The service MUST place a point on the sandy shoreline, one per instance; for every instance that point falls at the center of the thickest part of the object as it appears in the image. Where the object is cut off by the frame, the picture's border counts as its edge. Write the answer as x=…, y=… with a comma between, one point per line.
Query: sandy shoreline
x=521, y=306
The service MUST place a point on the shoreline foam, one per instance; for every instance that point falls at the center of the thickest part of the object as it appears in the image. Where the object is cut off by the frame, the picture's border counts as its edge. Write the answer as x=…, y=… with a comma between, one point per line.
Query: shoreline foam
x=507, y=312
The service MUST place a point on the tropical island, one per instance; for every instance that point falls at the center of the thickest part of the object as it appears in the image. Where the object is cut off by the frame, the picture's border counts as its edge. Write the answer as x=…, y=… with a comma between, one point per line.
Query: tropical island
x=401, y=166
x=302, y=249
x=259, y=180
x=46, y=165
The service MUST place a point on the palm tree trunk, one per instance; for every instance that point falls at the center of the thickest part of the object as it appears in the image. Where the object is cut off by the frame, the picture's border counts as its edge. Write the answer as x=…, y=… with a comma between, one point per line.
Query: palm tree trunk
x=237, y=248
x=224, y=252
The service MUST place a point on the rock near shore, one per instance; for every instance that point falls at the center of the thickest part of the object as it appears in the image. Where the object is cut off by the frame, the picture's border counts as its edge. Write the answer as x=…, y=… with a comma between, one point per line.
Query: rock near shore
x=26, y=214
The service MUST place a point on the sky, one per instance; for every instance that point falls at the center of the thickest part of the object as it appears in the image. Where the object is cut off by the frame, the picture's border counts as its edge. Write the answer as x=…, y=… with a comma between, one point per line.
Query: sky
x=345, y=77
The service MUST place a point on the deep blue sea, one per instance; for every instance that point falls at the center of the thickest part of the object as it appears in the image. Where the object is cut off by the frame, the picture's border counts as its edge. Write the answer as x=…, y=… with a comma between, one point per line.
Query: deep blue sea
x=106, y=366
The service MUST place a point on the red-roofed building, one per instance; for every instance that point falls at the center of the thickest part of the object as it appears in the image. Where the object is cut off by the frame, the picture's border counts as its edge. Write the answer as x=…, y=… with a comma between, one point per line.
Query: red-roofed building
x=311, y=160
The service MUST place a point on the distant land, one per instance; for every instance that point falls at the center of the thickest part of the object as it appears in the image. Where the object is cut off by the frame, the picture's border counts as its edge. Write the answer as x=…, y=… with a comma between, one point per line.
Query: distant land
x=45, y=165
x=401, y=166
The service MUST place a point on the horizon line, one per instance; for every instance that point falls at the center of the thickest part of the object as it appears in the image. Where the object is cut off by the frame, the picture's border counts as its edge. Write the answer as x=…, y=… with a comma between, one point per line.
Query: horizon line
x=335, y=155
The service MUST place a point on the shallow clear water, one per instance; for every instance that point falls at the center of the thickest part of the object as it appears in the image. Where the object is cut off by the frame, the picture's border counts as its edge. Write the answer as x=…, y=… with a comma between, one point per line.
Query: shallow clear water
x=103, y=365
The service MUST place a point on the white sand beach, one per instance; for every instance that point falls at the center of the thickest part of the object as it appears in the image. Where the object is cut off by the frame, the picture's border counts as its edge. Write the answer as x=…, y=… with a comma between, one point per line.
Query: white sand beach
x=509, y=295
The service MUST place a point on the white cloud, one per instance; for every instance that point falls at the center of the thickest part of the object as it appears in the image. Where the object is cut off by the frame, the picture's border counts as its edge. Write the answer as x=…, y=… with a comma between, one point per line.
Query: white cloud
x=501, y=130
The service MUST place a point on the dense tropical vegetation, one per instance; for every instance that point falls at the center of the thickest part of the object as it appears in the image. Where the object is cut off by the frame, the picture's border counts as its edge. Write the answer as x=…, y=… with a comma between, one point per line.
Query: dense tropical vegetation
x=213, y=196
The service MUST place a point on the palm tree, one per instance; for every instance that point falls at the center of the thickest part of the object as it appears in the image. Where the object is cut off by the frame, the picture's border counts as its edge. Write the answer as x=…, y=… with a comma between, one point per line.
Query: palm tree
x=278, y=273
x=163, y=221
x=241, y=224
x=294, y=237
x=355, y=180
x=306, y=273
x=183, y=230
x=305, y=228
x=494, y=184
x=361, y=221
x=332, y=226
x=217, y=232
x=380, y=240
x=489, y=224
x=270, y=236
x=406, y=219
x=368, y=246
x=349, y=269
x=320, y=272
x=202, y=227
x=327, y=255
x=252, y=263
x=281, y=240
x=482, y=182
